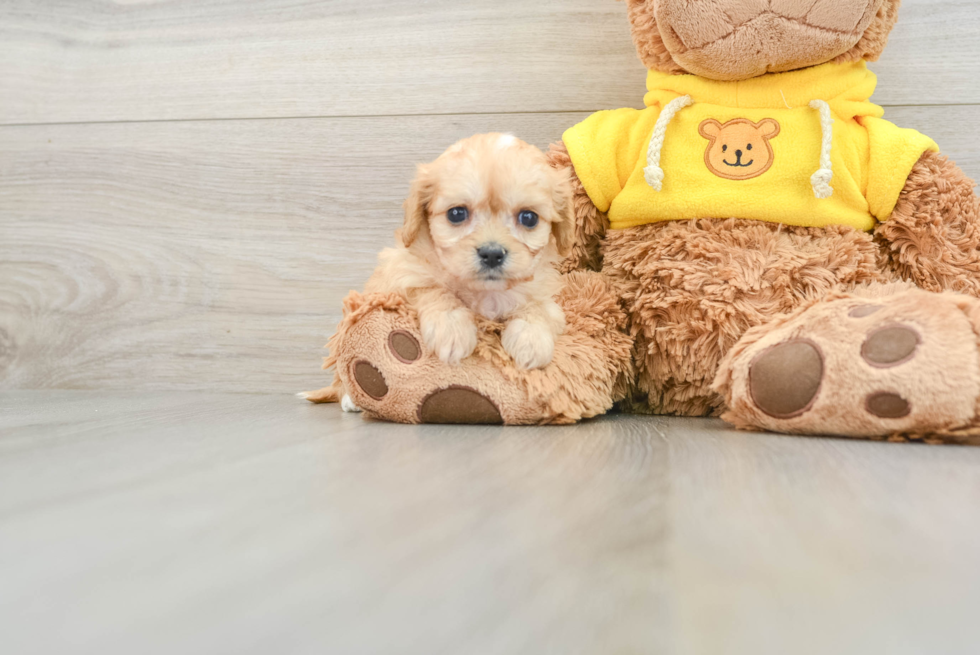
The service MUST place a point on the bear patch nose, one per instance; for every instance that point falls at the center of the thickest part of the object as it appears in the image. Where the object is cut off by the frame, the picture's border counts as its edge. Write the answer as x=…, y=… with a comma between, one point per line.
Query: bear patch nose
x=491, y=255
x=738, y=154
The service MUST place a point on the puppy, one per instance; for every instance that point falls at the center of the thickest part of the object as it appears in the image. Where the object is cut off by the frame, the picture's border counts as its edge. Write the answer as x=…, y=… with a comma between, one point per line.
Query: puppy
x=485, y=225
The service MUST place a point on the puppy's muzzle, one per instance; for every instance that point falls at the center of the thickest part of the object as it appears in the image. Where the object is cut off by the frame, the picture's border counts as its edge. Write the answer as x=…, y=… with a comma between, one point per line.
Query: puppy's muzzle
x=492, y=256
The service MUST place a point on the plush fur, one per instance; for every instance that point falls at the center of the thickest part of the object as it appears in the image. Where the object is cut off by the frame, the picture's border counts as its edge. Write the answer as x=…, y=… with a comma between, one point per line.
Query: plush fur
x=589, y=225
x=693, y=288
x=933, y=236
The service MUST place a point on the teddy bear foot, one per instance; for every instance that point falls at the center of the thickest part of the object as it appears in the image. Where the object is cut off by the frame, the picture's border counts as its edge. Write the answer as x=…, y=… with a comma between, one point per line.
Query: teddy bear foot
x=386, y=371
x=886, y=362
x=387, y=374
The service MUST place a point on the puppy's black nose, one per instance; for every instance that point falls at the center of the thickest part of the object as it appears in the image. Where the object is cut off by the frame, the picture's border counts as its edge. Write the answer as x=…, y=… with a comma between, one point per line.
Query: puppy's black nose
x=738, y=154
x=492, y=255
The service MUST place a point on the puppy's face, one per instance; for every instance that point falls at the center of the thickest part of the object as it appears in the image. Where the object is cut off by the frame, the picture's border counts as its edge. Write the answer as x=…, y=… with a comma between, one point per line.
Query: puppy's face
x=493, y=208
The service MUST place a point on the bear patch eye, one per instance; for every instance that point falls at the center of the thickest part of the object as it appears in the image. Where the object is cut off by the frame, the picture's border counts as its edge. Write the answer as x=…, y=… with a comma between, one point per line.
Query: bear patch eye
x=748, y=147
x=528, y=219
x=724, y=148
x=458, y=215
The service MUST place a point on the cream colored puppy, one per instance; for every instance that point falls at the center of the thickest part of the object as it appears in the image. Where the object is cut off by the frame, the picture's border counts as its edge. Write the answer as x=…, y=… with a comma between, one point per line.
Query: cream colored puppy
x=485, y=225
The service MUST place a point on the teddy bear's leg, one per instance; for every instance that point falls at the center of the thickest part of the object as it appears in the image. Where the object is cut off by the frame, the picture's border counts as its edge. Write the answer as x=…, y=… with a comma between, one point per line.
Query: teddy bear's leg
x=590, y=223
x=885, y=361
x=693, y=288
x=380, y=358
x=933, y=236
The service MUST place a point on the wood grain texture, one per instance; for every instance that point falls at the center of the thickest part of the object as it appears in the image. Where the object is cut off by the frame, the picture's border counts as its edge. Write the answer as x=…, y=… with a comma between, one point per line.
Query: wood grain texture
x=174, y=59
x=203, y=523
x=68, y=61
x=215, y=254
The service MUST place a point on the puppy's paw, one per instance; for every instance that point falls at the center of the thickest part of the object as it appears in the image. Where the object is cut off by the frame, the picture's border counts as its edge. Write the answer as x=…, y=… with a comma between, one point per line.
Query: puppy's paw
x=531, y=344
x=450, y=335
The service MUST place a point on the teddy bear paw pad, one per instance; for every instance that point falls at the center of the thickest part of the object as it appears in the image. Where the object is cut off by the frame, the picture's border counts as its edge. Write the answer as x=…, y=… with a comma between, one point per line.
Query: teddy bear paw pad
x=370, y=380
x=784, y=380
x=459, y=404
x=863, y=311
x=890, y=346
x=404, y=346
x=885, y=404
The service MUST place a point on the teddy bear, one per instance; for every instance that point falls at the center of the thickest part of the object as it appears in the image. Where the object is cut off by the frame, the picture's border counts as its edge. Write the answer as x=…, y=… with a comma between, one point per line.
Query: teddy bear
x=757, y=243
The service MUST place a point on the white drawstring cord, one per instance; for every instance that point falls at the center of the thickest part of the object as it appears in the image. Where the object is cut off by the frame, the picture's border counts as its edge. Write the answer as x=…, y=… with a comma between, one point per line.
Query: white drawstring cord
x=653, y=173
x=821, y=179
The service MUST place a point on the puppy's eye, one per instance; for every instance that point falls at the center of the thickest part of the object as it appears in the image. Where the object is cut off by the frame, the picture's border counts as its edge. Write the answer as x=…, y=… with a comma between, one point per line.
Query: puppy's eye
x=724, y=148
x=527, y=218
x=748, y=147
x=458, y=215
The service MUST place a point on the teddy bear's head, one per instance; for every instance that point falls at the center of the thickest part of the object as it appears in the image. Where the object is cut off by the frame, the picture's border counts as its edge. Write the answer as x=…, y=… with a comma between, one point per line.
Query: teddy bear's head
x=739, y=39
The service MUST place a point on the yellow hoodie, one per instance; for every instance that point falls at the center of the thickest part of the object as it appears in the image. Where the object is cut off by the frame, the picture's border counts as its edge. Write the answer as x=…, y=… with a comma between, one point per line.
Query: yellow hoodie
x=800, y=148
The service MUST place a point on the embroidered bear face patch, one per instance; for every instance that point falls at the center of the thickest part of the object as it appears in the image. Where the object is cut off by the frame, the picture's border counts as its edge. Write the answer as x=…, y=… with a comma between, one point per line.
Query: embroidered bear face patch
x=739, y=149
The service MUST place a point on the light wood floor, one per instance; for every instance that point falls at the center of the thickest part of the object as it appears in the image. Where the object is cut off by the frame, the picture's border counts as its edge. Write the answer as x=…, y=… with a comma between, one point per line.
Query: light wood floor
x=188, y=190
x=197, y=523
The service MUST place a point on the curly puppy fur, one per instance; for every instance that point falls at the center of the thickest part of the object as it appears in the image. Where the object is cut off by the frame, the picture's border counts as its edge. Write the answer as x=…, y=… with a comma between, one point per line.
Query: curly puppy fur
x=933, y=236
x=693, y=288
x=464, y=212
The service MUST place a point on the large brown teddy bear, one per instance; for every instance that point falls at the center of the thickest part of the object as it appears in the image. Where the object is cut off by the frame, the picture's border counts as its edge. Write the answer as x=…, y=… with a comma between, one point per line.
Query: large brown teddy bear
x=771, y=249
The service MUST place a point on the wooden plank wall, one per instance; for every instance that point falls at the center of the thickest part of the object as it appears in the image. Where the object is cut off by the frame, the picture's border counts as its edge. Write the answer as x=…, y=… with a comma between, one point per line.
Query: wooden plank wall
x=188, y=188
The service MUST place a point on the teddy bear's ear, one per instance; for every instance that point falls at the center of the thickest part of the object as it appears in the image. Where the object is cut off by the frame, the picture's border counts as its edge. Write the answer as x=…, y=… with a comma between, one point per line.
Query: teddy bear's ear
x=649, y=43
x=872, y=44
x=768, y=128
x=710, y=129
x=417, y=206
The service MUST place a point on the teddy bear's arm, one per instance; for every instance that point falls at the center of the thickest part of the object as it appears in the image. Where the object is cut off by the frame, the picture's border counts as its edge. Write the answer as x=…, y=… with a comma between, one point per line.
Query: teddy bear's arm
x=590, y=223
x=932, y=238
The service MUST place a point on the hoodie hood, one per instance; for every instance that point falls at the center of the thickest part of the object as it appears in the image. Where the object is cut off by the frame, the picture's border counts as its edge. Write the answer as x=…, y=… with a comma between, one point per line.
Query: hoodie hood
x=847, y=88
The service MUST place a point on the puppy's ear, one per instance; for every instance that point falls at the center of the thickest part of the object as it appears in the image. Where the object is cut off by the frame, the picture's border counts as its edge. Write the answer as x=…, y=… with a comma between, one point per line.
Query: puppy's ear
x=417, y=205
x=563, y=227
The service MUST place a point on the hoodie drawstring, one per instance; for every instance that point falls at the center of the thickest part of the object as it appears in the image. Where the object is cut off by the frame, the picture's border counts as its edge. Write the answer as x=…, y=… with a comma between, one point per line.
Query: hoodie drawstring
x=821, y=179
x=653, y=173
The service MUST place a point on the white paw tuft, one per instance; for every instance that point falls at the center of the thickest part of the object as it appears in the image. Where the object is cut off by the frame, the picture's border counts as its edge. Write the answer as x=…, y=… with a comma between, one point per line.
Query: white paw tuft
x=531, y=345
x=348, y=405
